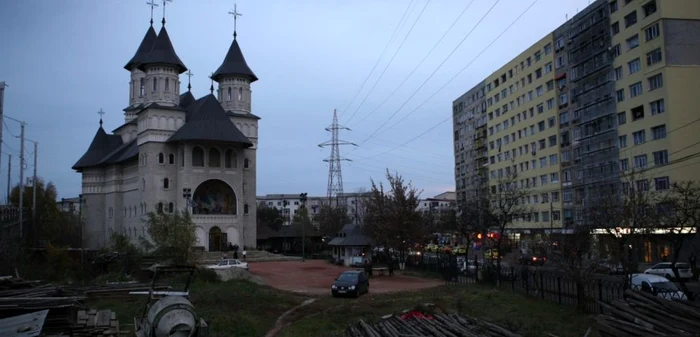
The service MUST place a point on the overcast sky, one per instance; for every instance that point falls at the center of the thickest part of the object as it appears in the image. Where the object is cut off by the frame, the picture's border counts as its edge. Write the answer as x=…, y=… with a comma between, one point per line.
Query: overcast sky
x=63, y=62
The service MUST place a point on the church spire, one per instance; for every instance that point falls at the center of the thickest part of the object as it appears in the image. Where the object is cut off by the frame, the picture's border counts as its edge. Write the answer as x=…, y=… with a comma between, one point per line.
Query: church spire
x=152, y=4
x=211, y=88
x=189, y=80
x=101, y=113
x=146, y=44
x=165, y=2
x=234, y=62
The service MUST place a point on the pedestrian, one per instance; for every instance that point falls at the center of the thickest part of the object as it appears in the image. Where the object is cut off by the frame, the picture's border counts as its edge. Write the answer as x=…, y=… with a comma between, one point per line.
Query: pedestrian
x=235, y=254
x=244, y=254
x=391, y=268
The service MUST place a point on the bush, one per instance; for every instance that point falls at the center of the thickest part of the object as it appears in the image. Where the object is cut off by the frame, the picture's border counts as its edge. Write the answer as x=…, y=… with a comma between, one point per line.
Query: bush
x=60, y=264
x=207, y=276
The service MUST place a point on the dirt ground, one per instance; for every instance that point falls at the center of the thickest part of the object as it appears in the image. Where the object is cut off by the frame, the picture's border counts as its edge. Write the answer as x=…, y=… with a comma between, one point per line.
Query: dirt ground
x=316, y=277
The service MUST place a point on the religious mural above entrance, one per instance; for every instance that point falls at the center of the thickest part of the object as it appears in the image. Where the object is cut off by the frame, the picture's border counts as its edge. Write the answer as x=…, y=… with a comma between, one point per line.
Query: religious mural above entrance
x=214, y=197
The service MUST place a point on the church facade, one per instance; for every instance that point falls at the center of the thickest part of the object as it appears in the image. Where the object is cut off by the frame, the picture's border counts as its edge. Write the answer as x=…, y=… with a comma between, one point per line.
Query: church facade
x=175, y=153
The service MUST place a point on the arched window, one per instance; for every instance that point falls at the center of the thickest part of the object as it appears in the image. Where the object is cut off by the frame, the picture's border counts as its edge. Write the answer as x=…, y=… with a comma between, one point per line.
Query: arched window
x=143, y=184
x=214, y=157
x=171, y=159
x=240, y=94
x=155, y=84
x=161, y=158
x=182, y=157
x=228, y=158
x=198, y=156
x=142, y=87
x=171, y=207
x=245, y=209
x=228, y=94
x=159, y=208
x=246, y=163
x=167, y=84
x=166, y=183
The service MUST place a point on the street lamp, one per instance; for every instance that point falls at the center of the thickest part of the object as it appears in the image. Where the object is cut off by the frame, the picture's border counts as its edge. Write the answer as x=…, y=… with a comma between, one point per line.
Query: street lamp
x=303, y=198
x=187, y=194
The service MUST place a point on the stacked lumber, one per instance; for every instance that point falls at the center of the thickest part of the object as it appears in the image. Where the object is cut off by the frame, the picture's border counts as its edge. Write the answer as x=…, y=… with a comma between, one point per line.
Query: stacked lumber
x=451, y=325
x=93, y=323
x=116, y=290
x=641, y=314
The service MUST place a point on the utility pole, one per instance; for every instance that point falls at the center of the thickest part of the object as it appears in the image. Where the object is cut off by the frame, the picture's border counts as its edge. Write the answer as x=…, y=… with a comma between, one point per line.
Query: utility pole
x=2, y=111
x=302, y=197
x=34, y=177
x=9, y=176
x=21, y=183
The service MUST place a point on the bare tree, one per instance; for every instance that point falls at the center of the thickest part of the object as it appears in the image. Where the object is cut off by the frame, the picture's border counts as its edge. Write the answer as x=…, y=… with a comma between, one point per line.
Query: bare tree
x=618, y=208
x=472, y=217
x=569, y=256
x=331, y=219
x=505, y=206
x=679, y=217
x=391, y=217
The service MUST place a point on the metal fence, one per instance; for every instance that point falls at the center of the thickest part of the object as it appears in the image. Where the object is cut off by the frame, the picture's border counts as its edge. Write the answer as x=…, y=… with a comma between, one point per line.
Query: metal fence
x=544, y=285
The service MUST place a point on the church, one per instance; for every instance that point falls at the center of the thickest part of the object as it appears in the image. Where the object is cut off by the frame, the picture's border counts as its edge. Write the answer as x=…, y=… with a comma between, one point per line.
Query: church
x=175, y=152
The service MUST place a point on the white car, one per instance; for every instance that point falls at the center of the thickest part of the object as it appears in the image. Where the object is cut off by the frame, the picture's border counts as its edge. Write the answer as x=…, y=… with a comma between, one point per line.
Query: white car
x=664, y=269
x=657, y=285
x=229, y=263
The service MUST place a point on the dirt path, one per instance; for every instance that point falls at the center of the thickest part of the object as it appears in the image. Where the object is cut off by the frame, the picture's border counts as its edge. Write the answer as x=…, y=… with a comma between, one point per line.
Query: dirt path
x=280, y=320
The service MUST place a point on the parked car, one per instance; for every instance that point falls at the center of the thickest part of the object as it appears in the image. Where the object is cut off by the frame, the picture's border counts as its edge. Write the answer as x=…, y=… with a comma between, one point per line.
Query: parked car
x=534, y=258
x=657, y=285
x=664, y=269
x=229, y=263
x=350, y=282
x=609, y=267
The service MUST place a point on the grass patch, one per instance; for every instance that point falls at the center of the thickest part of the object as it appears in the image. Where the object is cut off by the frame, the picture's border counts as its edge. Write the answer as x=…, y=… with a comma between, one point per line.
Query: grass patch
x=532, y=317
x=234, y=308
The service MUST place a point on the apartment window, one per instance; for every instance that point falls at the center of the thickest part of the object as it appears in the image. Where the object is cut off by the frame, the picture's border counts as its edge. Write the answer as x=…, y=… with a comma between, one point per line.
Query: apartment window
x=543, y=162
x=543, y=180
x=620, y=95
x=538, y=56
x=541, y=126
x=630, y=19
x=543, y=144
x=622, y=141
x=633, y=42
x=654, y=57
x=615, y=28
x=548, y=68
x=655, y=82
x=636, y=89
x=613, y=6
x=563, y=99
x=618, y=73
x=550, y=104
x=624, y=164
x=539, y=91
x=662, y=183
x=553, y=159
x=566, y=157
x=634, y=66
x=616, y=50
x=538, y=73
x=559, y=62
x=658, y=132
x=649, y=8
x=552, y=141
x=550, y=85
x=540, y=108
x=559, y=43
x=621, y=118
x=567, y=196
x=642, y=185
x=564, y=117
x=652, y=32
x=660, y=157
x=640, y=161
x=657, y=107
x=637, y=113
x=548, y=49
x=552, y=121
x=639, y=137
x=554, y=177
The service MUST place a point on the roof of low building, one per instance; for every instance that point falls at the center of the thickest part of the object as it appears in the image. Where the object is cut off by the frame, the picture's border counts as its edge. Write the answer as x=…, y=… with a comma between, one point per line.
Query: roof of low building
x=206, y=120
x=351, y=235
x=102, y=145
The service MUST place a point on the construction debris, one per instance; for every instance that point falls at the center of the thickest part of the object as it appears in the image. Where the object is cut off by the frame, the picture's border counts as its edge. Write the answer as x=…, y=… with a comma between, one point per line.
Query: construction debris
x=641, y=314
x=93, y=323
x=417, y=324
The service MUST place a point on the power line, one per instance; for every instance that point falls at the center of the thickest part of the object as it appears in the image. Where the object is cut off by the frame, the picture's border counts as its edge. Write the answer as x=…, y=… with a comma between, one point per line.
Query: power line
x=452, y=79
x=391, y=60
x=8, y=128
x=434, y=72
x=419, y=64
x=380, y=56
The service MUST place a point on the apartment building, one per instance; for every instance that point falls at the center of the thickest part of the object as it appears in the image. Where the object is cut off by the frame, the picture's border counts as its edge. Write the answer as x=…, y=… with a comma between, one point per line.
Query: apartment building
x=470, y=140
x=440, y=203
x=611, y=91
x=289, y=205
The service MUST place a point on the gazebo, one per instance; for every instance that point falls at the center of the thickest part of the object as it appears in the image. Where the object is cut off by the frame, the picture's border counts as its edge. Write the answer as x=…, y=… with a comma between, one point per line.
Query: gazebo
x=351, y=245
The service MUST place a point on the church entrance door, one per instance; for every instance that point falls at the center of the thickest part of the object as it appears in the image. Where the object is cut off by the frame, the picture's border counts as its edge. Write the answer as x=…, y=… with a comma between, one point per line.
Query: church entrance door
x=218, y=241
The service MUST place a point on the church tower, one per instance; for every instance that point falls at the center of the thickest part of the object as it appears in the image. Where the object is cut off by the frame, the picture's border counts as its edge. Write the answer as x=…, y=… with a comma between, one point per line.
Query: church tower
x=137, y=85
x=162, y=67
x=234, y=78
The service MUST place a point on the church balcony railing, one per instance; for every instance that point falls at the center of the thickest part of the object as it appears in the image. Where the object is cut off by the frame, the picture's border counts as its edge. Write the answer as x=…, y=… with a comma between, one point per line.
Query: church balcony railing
x=214, y=218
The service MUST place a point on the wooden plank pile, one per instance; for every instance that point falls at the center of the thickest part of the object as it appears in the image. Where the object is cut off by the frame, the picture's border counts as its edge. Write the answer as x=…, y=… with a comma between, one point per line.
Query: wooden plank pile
x=93, y=323
x=641, y=314
x=443, y=325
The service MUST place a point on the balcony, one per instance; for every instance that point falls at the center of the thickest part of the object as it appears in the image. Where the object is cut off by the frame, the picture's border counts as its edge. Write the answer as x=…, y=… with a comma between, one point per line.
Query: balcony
x=201, y=219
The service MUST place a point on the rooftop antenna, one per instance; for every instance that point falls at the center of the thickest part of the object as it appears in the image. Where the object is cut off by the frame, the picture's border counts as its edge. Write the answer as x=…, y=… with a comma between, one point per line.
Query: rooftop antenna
x=165, y=2
x=153, y=5
x=189, y=80
x=101, y=113
x=235, y=18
